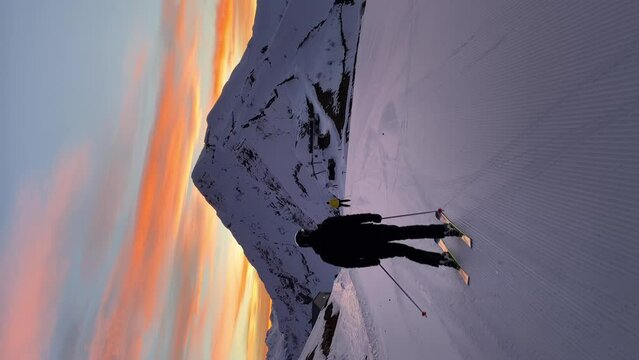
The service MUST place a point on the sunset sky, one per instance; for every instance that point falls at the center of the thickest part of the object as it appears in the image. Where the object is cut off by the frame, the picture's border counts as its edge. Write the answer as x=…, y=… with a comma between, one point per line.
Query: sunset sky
x=107, y=250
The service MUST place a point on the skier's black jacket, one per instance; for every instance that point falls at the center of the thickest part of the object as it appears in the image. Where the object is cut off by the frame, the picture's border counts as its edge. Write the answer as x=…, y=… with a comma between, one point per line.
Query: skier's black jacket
x=350, y=240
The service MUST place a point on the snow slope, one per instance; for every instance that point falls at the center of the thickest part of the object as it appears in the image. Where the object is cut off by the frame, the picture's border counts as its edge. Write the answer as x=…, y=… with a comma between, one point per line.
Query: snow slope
x=275, y=150
x=521, y=119
x=341, y=328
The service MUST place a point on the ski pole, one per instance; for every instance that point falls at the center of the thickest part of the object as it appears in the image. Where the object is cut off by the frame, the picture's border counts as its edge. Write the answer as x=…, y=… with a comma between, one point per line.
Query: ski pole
x=404, y=291
x=411, y=214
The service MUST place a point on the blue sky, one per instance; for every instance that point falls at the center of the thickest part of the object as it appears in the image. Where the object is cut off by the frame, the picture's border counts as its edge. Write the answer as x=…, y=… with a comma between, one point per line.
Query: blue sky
x=96, y=100
x=63, y=70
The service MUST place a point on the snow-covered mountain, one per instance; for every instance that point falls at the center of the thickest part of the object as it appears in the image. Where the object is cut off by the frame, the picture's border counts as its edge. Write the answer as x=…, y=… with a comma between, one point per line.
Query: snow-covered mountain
x=521, y=119
x=275, y=149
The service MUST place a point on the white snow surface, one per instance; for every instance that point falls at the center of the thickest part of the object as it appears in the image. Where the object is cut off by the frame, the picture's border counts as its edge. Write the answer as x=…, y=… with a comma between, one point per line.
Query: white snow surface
x=521, y=120
x=350, y=339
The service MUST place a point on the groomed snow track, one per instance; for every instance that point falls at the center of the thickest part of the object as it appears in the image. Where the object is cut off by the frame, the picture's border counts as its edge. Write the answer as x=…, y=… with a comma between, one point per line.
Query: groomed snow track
x=521, y=120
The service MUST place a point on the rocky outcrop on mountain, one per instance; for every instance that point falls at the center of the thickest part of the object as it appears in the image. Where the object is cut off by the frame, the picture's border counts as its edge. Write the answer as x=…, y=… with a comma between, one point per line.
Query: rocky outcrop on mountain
x=275, y=149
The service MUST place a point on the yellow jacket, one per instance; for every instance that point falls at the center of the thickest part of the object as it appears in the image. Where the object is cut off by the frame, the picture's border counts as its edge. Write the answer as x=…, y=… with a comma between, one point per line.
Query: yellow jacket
x=334, y=203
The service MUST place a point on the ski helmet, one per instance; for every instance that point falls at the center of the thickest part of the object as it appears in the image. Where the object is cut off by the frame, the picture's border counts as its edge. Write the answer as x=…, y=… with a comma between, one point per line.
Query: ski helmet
x=302, y=238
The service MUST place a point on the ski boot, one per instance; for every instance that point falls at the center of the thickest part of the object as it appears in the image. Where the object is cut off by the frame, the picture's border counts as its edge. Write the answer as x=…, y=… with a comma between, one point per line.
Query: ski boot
x=452, y=231
x=448, y=260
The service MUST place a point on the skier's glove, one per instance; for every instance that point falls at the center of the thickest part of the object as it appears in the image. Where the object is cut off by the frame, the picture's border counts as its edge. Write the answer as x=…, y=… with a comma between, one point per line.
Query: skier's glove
x=377, y=218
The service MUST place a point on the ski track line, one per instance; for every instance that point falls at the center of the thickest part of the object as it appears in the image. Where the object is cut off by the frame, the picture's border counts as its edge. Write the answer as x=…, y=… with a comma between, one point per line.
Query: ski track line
x=510, y=281
x=472, y=331
x=593, y=309
x=518, y=229
x=587, y=78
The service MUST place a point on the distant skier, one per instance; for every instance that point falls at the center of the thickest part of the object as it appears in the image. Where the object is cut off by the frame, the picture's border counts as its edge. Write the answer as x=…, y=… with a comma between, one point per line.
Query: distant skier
x=359, y=240
x=336, y=203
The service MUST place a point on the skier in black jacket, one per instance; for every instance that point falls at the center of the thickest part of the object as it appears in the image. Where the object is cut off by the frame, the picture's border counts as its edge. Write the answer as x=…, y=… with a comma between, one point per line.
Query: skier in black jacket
x=359, y=240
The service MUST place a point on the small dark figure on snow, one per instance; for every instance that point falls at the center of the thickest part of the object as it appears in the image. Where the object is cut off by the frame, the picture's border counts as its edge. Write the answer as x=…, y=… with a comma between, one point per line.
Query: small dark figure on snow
x=336, y=203
x=360, y=240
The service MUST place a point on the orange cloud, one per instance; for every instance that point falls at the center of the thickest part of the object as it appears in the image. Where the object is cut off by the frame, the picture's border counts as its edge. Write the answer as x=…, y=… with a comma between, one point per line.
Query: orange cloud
x=32, y=269
x=233, y=30
x=112, y=181
x=140, y=279
x=165, y=272
x=195, y=253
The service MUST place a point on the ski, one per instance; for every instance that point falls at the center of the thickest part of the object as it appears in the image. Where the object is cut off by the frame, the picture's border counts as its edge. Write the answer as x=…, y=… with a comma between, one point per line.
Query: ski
x=444, y=219
x=464, y=275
